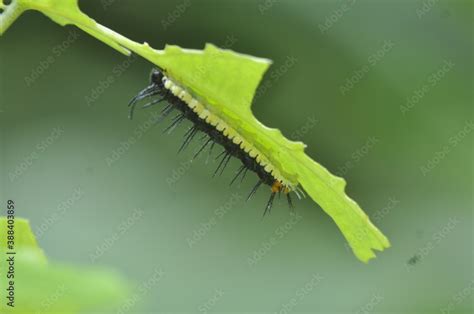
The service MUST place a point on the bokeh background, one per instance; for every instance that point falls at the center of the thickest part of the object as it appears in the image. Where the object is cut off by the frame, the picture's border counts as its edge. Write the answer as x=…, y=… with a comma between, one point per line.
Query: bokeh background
x=380, y=91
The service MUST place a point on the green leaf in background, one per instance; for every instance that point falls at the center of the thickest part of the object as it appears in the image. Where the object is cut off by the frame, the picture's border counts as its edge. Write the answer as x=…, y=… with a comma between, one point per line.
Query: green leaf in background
x=24, y=238
x=226, y=82
x=42, y=287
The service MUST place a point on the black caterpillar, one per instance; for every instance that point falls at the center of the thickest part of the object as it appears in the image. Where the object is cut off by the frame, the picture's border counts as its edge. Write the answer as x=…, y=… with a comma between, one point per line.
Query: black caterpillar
x=160, y=87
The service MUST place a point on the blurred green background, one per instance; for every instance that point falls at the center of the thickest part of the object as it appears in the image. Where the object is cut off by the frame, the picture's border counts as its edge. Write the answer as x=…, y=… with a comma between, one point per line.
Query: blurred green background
x=380, y=91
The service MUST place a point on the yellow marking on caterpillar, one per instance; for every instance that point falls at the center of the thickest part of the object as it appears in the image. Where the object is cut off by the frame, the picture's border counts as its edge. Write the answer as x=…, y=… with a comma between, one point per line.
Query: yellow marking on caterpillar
x=277, y=186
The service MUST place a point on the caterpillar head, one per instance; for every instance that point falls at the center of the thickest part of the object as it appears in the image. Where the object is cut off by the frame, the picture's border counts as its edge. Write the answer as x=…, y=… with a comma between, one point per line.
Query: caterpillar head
x=156, y=77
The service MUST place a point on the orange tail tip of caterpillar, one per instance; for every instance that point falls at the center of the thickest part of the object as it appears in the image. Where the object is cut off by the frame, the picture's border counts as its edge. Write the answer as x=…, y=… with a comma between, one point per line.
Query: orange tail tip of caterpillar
x=215, y=131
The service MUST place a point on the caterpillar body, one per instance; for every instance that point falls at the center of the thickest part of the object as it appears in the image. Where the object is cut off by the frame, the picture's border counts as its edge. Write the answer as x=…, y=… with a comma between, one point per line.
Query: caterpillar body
x=216, y=131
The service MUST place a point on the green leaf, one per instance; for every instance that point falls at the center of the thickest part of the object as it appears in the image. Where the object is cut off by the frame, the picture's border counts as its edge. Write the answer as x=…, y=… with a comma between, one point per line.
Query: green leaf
x=51, y=287
x=328, y=191
x=225, y=83
x=24, y=237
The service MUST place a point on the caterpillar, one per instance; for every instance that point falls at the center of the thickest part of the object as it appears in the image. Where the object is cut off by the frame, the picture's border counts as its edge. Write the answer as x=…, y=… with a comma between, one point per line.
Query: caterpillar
x=176, y=98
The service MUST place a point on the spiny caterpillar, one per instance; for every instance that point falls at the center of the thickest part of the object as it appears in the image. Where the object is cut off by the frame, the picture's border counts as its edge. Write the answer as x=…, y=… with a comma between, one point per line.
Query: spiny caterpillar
x=216, y=131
